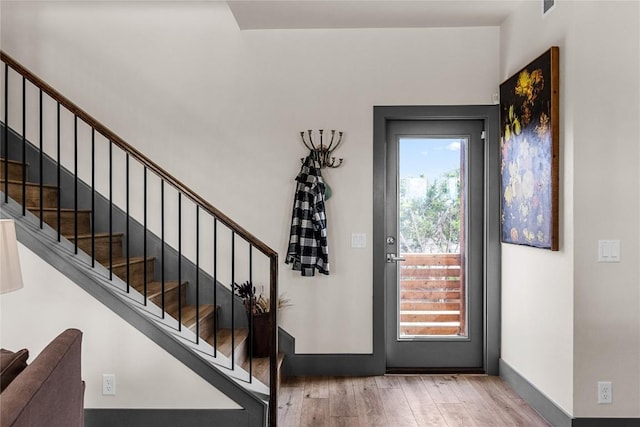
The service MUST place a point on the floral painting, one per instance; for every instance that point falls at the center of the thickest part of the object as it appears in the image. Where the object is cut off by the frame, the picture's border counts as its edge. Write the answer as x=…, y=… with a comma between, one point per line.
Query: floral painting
x=529, y=154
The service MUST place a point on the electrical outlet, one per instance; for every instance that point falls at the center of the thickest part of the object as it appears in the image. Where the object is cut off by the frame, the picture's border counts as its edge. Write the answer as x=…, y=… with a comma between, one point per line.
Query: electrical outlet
x=605, y=395
x=109, y=384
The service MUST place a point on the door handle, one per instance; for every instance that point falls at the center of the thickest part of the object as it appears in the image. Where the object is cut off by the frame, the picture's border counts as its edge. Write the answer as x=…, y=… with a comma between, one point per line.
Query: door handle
x=394, y=258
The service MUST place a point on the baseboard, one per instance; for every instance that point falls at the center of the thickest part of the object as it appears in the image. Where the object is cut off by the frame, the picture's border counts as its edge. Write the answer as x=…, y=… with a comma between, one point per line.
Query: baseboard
x=326, y=364
x=608, y=422
x=549, y=411
x=534, y=397
x=165, y=417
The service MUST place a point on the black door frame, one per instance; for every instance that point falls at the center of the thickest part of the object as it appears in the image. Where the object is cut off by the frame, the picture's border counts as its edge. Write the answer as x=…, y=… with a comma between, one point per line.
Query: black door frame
x=491, y=279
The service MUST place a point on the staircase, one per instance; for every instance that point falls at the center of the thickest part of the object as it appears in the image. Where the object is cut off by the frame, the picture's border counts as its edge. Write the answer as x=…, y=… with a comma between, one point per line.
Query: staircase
x=50, y=191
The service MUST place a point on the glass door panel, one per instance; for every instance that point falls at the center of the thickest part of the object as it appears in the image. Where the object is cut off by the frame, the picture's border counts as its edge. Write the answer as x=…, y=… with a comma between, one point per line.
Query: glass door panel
x=431, y=211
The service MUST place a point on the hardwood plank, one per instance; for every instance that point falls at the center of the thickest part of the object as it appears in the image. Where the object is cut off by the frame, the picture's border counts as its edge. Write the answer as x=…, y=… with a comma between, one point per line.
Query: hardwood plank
x=500, y=387
x=316, y=388
x=342, y=398
x=396, y=407
x=535, y=420
x=369, y=403
x=387, y=381
x=480, y=384
x=440, y=389
x=315, y=412
x=422, y=405
x=362, y=383
x=293, y=382
x=464, y=389
x=455, y=414
x=502, y=405
x=415, y=391
x=484, y=415
x=343, y=421
x=290, y=406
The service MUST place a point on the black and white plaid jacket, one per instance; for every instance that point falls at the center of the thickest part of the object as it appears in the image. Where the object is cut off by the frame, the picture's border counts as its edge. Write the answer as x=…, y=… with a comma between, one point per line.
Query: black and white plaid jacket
x=308, y=248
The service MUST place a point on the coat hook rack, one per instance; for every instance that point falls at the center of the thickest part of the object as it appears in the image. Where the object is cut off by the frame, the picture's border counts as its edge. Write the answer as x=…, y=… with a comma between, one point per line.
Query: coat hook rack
x=323, y=153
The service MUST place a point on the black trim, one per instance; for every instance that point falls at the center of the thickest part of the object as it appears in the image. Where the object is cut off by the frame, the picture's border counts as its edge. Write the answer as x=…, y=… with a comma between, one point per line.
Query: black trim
x=538, y=401
x=608, y=422
x=165, y=417
x=323, y=364
x=434, y=371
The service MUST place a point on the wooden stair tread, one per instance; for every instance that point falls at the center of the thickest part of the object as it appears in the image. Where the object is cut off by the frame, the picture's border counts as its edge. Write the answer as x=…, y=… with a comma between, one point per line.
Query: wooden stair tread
x=120, y=262
x=189, y=314
x=37, y=208
x=10, y=161
x=29, y=183
x=260, y=367
x=154, y=288
x=262, y=362
x=224, y=339
x=97, y=236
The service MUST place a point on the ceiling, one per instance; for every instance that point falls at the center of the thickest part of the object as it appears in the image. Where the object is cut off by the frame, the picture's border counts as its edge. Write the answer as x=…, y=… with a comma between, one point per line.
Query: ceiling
x=301, y=14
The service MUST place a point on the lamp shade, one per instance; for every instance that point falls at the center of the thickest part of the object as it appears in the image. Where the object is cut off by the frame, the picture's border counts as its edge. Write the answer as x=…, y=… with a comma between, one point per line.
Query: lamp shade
x=10, y=273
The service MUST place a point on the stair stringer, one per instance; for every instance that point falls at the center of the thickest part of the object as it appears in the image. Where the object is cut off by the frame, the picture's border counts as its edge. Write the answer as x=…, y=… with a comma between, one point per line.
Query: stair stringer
x=252, y=397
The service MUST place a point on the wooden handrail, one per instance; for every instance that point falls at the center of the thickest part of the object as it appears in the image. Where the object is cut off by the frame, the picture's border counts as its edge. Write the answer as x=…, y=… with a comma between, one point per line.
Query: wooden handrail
x=113, y=137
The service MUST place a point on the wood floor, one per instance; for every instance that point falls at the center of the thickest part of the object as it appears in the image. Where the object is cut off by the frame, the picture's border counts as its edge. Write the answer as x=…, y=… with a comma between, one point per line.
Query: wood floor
x=402, y=400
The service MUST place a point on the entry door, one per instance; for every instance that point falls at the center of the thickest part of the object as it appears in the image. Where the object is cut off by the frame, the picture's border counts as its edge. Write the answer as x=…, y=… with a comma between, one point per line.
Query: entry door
x=434, y=245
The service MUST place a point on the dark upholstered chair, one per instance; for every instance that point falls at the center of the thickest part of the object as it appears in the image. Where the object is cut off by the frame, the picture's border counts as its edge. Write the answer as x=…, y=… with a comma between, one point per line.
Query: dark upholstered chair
x=50, y=391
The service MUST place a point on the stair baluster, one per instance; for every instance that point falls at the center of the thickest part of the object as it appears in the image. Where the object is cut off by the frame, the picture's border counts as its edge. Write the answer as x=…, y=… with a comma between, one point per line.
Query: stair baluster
x=93, y=197
x=144, y=231
x=24, y=146
x=58, y=171
x=40, y=164
x=6, y=133
x=75, y=184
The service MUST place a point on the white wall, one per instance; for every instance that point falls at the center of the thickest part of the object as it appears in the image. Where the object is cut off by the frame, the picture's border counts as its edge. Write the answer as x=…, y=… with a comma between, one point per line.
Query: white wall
x=569, y=321
x=221, y=110
x=607, y=314
x=537, y=303
x=146, y=376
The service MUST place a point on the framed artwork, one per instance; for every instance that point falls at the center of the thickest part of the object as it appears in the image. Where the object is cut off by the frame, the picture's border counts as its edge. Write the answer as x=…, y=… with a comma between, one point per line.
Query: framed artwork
x=529, y=146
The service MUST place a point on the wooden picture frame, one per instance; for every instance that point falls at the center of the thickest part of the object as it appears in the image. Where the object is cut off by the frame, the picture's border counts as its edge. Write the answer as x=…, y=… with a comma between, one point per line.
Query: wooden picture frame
x=529, y=151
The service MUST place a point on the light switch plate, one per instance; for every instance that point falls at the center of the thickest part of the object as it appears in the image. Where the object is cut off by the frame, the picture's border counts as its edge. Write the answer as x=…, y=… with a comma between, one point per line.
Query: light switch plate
x=608, y=250
x=358, y=240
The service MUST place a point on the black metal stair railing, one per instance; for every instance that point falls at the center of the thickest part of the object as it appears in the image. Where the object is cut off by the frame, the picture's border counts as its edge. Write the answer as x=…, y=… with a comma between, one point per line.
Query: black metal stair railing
x=225, y=268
